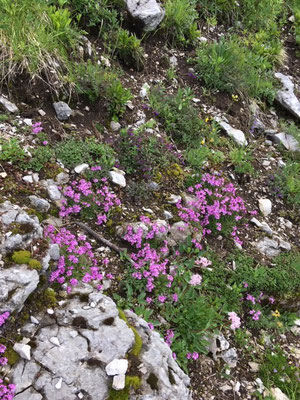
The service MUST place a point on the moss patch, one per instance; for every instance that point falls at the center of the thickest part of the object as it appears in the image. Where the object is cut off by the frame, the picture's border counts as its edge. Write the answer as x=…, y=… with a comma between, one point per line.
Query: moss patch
x=21, y=257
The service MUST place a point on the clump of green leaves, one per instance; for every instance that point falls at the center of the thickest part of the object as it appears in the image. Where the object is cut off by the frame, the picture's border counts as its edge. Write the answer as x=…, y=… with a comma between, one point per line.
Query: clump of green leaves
x=73, y=152
x=230, y=66
x=288, y=179
x=180, y=22
x=241, y=159
x=128, y=48
x=96, y=82
x=10, y=150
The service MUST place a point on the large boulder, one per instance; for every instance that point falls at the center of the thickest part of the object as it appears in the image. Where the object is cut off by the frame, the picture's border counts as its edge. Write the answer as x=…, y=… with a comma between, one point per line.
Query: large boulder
x=147, y=12
x=75, y=343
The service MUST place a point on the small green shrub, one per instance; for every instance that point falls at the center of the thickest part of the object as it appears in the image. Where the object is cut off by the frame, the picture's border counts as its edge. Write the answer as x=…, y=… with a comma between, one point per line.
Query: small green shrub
x=96, y=82
x=143, y=152
x=73, y=152
x=230, y=66
x=288, y=180
x=177, y=113
x=241, y=159
x=180, y=21
x=128, y=49
x=40, y=156
x=10, y=150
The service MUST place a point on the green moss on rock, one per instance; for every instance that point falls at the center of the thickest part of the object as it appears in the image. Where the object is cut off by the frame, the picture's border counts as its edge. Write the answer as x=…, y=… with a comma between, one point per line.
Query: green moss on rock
x=21, y=257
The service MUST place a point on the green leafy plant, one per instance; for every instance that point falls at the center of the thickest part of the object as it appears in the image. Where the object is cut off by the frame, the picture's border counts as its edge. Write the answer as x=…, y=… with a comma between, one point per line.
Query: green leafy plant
x=288, y=180
x=128, y=49
x=241, y=158
x=227, y=65
x=180, y=21
x=73, y=152
x=10, y=150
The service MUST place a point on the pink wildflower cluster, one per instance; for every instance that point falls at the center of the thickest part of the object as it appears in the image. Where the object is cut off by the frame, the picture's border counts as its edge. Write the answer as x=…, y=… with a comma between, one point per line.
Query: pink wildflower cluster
x=203, y=262
x=3, y=360
x=37, y=127
x=255, y=314
x=195, y=280
x=235, y=320
x=77, y=259
x=193, y=355
x=212, y=199
x=169, y=337
x=81, y=195
x=4, y=317
x=7, y=392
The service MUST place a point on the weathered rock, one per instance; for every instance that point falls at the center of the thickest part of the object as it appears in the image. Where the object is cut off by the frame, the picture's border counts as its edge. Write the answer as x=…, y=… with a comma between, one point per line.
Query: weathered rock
x=117, y=177
x=52, y=190
x=286, y=97
x=29, y=227
x=63, y=111
x=272, y=247
x=157, y=361
x=29, y=394
x=16, y=284
x=8, y=106
x=54, y=252
x=278, y=394
x=265, y=206
x=62, y=178
x=254, y=367
x=147, y=12
x=237, y=135
x=219, y=347
x=39, y=204
x=91, y=335
x=288, y=141
x=115, y=126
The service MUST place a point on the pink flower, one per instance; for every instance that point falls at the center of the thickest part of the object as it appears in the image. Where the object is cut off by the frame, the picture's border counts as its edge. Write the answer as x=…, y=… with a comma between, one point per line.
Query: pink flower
x=271, y=300
x=151, y=326
x=195, y=280
x=162, y=299
x=45, y=142
x=195, y=355
x=250, y=298
x=175, y=297
x=235, y=320
x=245, y=285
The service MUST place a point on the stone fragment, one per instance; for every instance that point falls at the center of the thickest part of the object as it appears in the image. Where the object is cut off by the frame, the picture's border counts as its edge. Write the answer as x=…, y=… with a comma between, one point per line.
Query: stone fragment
x=148, y=13
x=8, y=106
x=118, y=382
x=286, y=96
x=23, y=350
x=278, y=394
x=80, y=169
x=62, y=178
x=115, y=126
x=39, y=204
x=63, y=111
x=117, y=177
x=29, y=394
x=237, y=135
x=265, y=207
x=288, y=141
x=117, y=367
x=28, y=178
x=54, y=252
x=254, y=367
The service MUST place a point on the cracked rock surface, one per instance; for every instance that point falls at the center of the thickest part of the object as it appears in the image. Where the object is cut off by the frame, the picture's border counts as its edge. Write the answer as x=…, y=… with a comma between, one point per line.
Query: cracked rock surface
x=72, y=347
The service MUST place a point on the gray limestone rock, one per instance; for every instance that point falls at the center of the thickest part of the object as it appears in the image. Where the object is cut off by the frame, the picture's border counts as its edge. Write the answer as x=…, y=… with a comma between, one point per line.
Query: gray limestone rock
x=29, y=226
x=149, y=13
x=237, y=135
x=16, y=284
x=8, y=106
x=91, y=335
x=288, y=141
x=180, y=231
x=286, y=96
x=39, y=204
x=272, y=247
x=63, y=111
